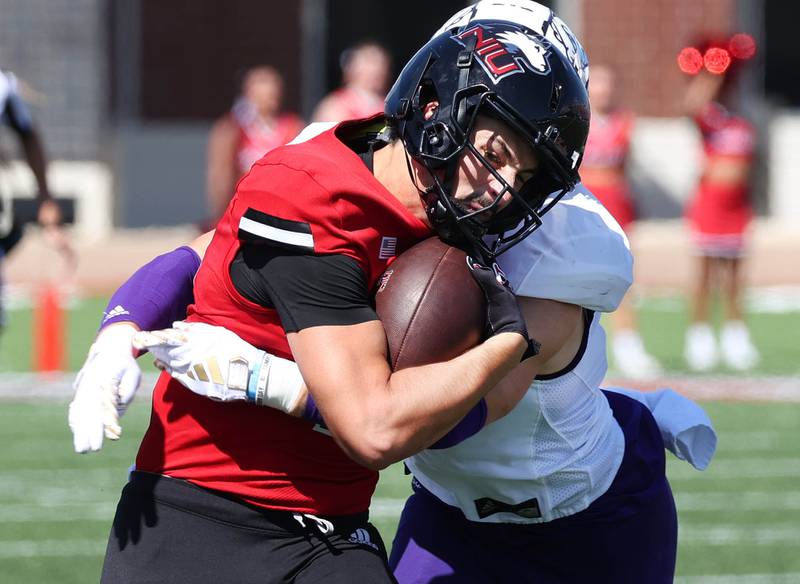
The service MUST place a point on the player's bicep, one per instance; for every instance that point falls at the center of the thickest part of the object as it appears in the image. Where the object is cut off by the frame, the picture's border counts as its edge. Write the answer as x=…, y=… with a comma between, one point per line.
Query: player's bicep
x=200, y=244
x=558, y=328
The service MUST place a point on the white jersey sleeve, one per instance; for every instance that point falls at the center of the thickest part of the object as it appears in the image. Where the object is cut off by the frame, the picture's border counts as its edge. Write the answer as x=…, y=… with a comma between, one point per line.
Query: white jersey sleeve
x=580, y=255
x=312, y=131
x=13, y=111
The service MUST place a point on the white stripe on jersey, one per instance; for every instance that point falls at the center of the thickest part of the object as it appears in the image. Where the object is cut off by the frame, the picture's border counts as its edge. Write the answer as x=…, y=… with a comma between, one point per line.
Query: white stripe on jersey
x=293, y=238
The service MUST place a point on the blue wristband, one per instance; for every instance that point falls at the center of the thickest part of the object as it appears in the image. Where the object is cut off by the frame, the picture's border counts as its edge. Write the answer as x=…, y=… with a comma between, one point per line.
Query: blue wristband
x=252, y=382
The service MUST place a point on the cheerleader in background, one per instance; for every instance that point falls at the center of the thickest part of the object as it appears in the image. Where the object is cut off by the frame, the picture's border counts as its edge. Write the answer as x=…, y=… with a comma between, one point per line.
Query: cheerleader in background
x=603, y=172
x=720, y=211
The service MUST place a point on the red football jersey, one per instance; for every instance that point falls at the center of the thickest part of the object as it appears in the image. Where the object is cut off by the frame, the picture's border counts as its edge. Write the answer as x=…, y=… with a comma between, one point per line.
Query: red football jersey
x=316, y=196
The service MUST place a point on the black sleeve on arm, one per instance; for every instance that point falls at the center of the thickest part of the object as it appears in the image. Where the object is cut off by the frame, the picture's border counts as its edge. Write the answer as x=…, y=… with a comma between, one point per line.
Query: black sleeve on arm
x=306, y=290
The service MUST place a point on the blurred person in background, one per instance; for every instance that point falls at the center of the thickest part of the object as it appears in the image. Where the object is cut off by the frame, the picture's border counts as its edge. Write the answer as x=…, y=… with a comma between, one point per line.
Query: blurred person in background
x=720, y=209
x=603, y=172
x=14, y=114
x=254, y=126
x=366, y=68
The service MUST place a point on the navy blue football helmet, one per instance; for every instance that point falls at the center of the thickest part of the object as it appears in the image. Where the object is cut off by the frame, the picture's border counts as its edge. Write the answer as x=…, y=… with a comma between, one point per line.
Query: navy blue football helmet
x=514, y=72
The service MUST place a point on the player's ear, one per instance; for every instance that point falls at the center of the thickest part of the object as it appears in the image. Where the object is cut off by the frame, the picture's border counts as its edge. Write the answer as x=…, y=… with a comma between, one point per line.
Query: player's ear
x=430, y=109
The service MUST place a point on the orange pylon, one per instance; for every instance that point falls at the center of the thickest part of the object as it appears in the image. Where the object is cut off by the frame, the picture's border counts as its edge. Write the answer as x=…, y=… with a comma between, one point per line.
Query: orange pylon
x=48, y=331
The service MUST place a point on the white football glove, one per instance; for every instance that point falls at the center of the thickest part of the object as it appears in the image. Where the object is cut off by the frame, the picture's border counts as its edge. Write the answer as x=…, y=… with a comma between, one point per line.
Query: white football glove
x=104, y=387
x=214, y=362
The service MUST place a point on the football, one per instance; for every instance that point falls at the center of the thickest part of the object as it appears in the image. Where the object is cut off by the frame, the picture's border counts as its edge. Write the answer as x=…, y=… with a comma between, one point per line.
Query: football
x=430, y=305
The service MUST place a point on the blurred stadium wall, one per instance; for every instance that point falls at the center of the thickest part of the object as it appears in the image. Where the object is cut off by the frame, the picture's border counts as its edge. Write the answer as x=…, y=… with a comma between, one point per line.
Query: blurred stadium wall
x=125, y=91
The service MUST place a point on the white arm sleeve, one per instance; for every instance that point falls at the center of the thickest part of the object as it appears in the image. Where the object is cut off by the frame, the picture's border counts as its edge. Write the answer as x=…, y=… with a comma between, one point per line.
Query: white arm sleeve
x=685, y=427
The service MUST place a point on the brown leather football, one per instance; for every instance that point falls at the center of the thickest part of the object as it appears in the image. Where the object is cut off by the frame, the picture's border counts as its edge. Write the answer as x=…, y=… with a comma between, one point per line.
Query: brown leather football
x=430, y=305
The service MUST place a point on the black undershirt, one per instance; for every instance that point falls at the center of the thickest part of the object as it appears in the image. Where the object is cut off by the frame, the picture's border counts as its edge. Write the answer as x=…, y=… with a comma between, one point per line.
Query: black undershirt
x=306, y=289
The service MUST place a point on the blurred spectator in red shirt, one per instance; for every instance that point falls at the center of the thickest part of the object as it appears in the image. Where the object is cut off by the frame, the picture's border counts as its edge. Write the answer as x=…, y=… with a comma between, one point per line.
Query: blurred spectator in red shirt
x=253, y=126
x=366, y=68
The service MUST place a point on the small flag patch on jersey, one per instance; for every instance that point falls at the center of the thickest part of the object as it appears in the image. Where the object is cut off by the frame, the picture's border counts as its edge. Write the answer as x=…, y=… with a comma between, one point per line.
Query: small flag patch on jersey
x=388, y=248
x=261, y=228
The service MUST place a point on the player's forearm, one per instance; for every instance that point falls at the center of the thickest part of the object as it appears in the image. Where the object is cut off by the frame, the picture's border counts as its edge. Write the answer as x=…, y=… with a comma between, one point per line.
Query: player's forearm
x=417, y=406
x=34, y=154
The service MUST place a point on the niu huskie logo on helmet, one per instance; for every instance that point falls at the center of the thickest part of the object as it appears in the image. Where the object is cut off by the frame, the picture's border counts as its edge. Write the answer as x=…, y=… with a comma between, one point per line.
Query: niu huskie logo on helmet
x=506, y=52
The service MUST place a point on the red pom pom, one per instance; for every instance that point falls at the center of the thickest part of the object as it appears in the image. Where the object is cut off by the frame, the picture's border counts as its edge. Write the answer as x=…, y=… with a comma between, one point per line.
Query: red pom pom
x=742, y=46
x=690, y=61
x=717, y=60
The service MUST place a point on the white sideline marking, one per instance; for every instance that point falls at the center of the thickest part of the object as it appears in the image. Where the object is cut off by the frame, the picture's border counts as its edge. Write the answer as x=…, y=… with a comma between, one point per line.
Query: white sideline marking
x=721, y=534
x=749, y=467
x=791, y=578
x=753, y=441
x=27, y=513
x=386, y=508
x=27, y=548
x=50, y=510
x=62, y=475
x=31, y=387
x=784, y=389
x=741, y=468
x=738, y=501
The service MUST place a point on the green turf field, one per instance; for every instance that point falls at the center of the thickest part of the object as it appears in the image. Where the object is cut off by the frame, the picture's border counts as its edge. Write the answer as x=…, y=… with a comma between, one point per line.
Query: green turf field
x=740, y=517
x=739, y=521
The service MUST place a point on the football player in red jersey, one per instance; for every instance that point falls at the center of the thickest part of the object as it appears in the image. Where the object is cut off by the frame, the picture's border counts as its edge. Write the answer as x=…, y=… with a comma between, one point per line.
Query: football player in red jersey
x=474, y=142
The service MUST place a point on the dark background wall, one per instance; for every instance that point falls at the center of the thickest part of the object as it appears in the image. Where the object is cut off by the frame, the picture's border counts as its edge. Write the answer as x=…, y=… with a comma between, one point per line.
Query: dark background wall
x=136, y=83
x=402, y=27
x=175, y=66
x=193, y=53
x=57, y=47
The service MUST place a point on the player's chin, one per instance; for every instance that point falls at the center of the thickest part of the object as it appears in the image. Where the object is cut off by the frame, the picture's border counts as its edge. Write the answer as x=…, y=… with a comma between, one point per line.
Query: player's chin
x=481, y=205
